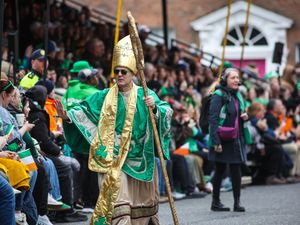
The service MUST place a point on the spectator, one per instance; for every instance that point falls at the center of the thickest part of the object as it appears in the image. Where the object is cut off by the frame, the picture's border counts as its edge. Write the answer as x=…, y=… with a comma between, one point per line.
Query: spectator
x=227, y=150
x=41, y=132
x=78, y=91
x=38, y=59
x=95, y=54
x=7, y=198
x=82, y=88
x=265, y=147
x=78, y=66
x=55, y=123
x=25, y=201
x=275, y=111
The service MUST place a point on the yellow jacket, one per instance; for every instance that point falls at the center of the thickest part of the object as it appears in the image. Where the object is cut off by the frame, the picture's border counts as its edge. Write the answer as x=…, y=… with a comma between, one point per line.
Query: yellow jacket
x=17, y=173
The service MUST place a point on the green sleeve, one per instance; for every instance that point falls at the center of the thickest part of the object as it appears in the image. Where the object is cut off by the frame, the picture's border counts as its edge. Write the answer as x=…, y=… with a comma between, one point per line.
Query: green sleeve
x=30, y=144
x=85, y=117
x=75, y=140
x=164, y=123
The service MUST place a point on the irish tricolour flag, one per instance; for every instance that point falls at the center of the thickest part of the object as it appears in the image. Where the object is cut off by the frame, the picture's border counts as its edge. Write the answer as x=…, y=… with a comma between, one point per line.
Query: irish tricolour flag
x=27, y=159
x=183, y=149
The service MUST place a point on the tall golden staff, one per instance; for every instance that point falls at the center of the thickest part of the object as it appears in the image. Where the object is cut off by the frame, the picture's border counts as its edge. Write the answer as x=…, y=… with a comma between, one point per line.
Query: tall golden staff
x=139, y=56
x=213, y=86
x=117, y=32
x=225, y=39
x=245, y=32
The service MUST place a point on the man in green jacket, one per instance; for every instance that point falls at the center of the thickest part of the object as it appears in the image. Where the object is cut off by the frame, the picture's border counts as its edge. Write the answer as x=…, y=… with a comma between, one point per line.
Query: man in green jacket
x=80, y=89
x=116, y=124
x=77, y=92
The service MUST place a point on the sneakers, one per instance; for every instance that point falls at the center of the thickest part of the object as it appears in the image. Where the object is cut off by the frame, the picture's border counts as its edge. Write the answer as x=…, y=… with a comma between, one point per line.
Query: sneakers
x=53, y=202
x=246, y=180
x=16, y=191
x=291, y=180
x=226, y=185
x=163, y=199
x=70, y=217
x=177, y=195
x=63, y=207
x=195, y=195
x=43, y=220
x=54, y=205
x=21, y=219
x=209, y=186
x=87, y=210
x=274, y=180
x=205, y=189
x=78, y=205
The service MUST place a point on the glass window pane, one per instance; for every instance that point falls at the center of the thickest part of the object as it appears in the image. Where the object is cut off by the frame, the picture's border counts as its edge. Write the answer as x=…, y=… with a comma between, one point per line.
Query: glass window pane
x=233, y=34
x=254, y=33
x=261, y=41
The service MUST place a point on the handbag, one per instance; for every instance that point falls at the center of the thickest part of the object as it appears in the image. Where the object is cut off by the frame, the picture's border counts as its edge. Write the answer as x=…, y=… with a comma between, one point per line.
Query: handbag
x=229, y=133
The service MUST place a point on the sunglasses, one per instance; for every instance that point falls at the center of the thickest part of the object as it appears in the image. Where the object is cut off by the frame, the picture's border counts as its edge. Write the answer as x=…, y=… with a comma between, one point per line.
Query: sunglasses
x=122, y=71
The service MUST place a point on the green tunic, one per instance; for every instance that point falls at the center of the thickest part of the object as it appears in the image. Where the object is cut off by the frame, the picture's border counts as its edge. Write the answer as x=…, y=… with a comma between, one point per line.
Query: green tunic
x=140, y=162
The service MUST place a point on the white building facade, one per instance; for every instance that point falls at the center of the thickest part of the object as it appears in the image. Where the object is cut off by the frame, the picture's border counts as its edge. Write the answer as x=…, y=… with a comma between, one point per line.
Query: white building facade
x=265, y=28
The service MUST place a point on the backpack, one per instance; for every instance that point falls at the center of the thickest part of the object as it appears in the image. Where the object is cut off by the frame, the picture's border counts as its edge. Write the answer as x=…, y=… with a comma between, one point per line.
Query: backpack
x=204, y=116
x=204, y=112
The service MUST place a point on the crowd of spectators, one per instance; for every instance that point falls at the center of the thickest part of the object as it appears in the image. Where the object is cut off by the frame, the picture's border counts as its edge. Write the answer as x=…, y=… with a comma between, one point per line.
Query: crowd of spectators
x=79, y=64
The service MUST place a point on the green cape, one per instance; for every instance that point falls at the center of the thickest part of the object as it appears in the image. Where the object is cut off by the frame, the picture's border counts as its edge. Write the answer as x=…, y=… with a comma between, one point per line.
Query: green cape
x=140, y=159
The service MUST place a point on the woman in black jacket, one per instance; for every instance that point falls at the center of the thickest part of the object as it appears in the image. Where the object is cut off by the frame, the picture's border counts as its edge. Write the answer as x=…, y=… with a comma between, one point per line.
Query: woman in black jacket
x=41, y=132
x=37, y=115
x=227, y=147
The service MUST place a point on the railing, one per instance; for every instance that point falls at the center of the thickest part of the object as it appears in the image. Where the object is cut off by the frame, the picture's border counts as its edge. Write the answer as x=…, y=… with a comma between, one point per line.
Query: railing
x=207, y=59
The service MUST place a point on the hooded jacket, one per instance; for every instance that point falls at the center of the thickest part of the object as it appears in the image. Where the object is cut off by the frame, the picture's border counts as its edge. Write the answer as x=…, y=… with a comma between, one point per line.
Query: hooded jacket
x=41, y=132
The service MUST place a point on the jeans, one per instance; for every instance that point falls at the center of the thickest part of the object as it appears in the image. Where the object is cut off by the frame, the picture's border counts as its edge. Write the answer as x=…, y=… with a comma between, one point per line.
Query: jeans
x=53, y=177
x=7, y=206
x=26, y=203
x=29, y=208
x=75, y=166
x=161, y=182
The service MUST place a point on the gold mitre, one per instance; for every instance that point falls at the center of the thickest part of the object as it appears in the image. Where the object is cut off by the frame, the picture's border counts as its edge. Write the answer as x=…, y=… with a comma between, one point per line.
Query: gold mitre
x=123, y=55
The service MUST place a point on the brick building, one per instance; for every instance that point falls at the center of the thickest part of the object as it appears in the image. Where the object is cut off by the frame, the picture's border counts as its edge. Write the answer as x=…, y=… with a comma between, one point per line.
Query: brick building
x=202, y=22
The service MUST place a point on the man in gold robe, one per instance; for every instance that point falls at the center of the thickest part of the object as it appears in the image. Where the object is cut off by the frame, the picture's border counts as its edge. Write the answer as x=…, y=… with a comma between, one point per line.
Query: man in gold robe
x=116, y=124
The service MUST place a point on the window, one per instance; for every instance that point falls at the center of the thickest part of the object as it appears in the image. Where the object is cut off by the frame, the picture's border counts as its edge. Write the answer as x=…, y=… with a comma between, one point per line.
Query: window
x=253, y=37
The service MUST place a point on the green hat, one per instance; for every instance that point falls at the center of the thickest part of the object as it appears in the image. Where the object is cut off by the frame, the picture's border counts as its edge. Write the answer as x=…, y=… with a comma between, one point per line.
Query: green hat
x=271, y=74
x=227, y=65
x=80, y=65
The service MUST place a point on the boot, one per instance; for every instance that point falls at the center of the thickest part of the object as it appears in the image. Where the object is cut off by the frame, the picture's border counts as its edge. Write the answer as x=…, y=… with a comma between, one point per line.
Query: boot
x=217, y=206
x=237, y=207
